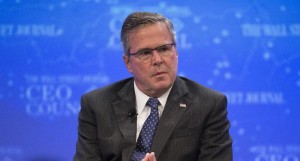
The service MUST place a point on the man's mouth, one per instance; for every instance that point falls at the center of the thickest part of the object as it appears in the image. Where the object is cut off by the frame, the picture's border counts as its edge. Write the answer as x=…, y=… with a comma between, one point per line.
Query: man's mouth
x=159, y=73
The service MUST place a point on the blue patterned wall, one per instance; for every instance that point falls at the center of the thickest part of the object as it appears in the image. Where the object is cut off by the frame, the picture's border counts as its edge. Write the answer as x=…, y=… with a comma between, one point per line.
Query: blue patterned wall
x=54, y=51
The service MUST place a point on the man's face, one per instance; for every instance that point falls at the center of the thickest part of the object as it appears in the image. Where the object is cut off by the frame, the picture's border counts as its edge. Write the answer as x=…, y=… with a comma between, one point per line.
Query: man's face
x=154, y=77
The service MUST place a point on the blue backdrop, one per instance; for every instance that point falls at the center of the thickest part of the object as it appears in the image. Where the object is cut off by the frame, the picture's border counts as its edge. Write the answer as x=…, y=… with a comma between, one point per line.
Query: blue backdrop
x=54, y=51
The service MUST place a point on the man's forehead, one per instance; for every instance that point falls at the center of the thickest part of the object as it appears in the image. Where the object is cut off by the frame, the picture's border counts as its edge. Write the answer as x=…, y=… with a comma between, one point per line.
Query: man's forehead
x=157, y=31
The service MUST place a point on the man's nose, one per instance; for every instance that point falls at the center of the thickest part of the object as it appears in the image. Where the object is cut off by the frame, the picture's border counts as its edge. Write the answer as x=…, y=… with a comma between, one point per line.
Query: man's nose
x=156, y=58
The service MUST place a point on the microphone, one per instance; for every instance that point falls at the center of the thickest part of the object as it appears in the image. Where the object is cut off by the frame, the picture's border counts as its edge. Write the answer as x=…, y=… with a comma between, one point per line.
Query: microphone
x=132, y=115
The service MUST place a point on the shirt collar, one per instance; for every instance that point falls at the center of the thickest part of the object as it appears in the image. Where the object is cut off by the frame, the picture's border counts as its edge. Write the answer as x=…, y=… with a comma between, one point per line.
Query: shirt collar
x=142, y=98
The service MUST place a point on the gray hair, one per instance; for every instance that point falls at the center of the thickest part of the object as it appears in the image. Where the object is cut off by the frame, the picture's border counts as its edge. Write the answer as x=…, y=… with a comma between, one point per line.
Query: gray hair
x=140, y=19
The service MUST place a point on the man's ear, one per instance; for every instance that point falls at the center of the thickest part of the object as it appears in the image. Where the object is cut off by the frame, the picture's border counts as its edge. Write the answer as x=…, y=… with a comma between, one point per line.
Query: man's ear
x=127, y=63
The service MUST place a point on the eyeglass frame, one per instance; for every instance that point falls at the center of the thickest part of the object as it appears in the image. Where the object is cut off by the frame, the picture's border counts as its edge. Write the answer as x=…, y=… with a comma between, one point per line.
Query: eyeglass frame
x=149, y=49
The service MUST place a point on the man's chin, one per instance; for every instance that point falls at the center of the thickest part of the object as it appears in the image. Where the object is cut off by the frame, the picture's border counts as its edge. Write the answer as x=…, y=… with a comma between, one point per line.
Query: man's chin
x=162, y=85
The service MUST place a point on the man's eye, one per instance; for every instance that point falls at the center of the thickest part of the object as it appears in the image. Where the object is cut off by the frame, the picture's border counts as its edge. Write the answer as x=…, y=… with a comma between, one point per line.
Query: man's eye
x=163, y=49
x=145, y=52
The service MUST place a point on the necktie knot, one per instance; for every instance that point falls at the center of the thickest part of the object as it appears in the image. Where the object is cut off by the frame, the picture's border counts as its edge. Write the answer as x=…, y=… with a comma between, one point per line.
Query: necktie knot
x=153, y=103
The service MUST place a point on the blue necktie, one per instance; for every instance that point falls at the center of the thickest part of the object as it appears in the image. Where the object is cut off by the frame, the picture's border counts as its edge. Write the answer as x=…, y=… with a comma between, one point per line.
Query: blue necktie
x=146, y=136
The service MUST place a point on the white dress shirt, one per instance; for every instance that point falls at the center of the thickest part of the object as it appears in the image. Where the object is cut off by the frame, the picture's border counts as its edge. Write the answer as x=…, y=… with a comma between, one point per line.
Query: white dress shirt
x=143, y=111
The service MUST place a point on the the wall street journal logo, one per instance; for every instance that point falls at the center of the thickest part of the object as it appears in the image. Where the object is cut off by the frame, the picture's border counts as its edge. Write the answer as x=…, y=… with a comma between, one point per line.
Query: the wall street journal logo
x=35, y=30
x=255, y=97
x=271, y=30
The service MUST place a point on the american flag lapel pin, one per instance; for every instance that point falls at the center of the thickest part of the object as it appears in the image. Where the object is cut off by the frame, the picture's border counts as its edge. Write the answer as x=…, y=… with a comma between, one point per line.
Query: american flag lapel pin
x=182, y=105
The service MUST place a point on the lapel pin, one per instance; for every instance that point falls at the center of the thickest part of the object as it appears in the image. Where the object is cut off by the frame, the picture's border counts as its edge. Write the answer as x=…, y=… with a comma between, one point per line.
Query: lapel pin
x=183, y=105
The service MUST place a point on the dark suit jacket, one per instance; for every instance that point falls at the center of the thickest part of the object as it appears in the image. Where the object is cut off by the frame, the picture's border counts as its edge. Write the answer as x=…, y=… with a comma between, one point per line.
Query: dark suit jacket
x=197, y=132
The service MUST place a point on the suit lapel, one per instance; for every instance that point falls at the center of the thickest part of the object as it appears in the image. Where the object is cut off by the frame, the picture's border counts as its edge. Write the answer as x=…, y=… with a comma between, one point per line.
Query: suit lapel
x=126, y=124
x=176, y=105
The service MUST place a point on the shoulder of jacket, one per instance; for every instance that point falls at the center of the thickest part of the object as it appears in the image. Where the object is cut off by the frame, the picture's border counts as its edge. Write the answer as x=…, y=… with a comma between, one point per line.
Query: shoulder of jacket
x=111, y=88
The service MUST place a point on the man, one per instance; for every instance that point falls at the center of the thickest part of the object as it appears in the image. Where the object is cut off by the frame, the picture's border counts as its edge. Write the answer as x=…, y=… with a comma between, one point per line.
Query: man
x=181, y=121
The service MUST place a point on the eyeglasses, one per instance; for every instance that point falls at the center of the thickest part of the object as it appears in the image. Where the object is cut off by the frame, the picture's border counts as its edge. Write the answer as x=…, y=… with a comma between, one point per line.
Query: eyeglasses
x=145, y=55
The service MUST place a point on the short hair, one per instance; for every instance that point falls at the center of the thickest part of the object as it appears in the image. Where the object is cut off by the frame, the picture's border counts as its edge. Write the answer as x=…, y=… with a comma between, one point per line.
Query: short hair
x=140, y=19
